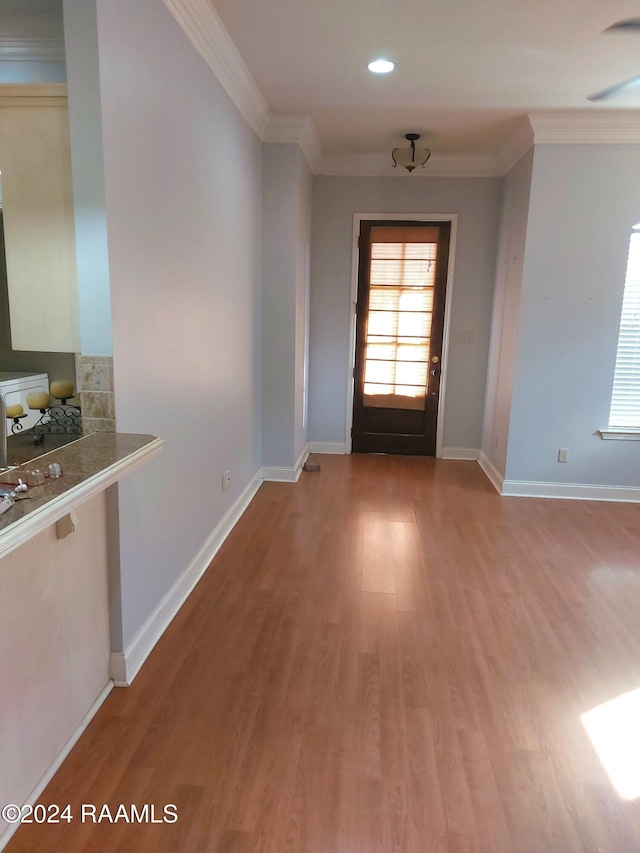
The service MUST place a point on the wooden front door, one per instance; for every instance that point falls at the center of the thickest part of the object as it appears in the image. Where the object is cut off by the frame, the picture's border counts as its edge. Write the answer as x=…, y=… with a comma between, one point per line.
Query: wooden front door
x=402, y=279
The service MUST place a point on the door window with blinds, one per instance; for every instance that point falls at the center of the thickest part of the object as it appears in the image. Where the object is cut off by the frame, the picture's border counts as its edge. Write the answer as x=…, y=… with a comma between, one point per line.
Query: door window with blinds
x=402, y=280
x=625, y=401
x=401, y=298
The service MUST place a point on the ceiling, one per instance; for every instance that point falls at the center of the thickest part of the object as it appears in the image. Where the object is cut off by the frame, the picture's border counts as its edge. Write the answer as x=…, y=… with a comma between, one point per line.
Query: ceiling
x=465, y=70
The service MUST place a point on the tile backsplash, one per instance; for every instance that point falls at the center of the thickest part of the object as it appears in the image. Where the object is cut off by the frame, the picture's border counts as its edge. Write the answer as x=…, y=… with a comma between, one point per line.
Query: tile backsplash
x=94, y=375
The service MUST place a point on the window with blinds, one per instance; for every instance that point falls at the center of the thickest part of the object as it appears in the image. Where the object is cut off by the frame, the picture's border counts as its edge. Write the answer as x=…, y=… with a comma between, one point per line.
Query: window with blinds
x=401, y=293
x=625, y=401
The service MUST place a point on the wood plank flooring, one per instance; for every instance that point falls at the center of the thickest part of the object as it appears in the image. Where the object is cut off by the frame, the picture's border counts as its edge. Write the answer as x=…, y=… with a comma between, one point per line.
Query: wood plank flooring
x=384, y=658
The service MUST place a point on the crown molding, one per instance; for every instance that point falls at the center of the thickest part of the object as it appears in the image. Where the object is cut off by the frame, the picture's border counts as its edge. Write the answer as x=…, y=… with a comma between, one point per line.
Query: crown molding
x=380, y=165
x=208, y=35
x=48, y=48
x=39, y=40
x=298, y=130
x=585, y=127
x=520, y=141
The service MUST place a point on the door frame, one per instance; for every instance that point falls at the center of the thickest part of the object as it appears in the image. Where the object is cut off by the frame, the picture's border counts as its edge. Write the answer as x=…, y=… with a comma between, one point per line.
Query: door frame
x=355, y=258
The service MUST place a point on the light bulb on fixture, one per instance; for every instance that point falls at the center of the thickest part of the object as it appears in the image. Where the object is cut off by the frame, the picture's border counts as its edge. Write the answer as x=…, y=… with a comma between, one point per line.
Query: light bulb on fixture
x=412, y=156
x=381, y=66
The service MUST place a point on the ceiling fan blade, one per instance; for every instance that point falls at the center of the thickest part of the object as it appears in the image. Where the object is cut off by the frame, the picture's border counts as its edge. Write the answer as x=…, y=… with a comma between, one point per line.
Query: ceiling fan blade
x=614, y=90
x=626, y=25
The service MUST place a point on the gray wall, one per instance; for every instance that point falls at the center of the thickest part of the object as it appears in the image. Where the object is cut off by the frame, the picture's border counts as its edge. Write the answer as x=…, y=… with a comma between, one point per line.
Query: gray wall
x=287, y=184
x=477, y=203
x=506, y=312
x=183, y=193
x=303, y=285
x=85, y=125
x=32, y=72
x=584, y=203
x=278, y=303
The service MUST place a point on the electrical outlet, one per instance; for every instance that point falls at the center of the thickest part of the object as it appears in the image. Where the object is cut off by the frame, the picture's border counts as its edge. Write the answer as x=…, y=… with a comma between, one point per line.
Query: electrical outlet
x=226, y=480
x=563, y=455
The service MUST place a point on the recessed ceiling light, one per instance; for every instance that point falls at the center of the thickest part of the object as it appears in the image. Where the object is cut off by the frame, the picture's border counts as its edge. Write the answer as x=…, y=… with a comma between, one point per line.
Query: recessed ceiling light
x=381, y=66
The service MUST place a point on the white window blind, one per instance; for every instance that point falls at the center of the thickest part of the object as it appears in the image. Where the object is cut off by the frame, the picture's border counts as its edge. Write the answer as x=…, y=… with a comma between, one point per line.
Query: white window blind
x=625, y=400
x=399, y=320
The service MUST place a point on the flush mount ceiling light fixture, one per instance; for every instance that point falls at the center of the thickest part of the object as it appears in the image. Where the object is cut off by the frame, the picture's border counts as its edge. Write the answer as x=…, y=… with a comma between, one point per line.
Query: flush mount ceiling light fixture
x=381, y=66
x=412, y=156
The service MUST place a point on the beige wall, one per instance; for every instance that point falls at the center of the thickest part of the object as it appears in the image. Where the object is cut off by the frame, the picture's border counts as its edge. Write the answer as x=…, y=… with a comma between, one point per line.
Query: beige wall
x=35, y=159
x=59, y=365
x=54, y=636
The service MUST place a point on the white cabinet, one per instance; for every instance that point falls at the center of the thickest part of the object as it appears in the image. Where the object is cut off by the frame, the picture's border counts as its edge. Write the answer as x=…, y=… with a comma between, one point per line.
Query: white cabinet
x=37, y=201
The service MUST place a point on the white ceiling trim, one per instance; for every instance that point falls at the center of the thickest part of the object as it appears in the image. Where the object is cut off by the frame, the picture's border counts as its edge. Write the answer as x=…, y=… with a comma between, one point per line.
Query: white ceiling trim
x=208, y=35
x=516, y=146
x=32, y=38
x=298, y=130
x=31, y=48
x=381, y=165
x=585, y=127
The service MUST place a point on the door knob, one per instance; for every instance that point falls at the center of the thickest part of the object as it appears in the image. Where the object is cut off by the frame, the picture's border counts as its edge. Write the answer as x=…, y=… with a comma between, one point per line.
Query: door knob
x=435, y=359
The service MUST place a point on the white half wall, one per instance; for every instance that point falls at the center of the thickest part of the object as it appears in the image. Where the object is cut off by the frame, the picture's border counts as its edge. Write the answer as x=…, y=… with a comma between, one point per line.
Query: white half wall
x=183, y=198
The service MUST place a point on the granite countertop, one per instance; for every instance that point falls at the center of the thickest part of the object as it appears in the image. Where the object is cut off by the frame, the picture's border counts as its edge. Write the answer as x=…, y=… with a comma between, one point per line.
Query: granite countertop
x=89, y=465
x=21, y=449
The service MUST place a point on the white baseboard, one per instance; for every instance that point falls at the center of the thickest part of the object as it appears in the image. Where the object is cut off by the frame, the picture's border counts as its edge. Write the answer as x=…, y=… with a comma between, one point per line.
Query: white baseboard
x=124, y=666
x=471, y=453
x=338, y=448
x=32, y=799
x=277, y=474
x=570, y=491
x=562, y=491
x=495, y=478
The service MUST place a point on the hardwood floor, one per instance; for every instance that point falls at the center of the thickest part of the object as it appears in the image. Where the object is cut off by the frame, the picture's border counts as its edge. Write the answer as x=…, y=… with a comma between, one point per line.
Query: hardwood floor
x=384, y=657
